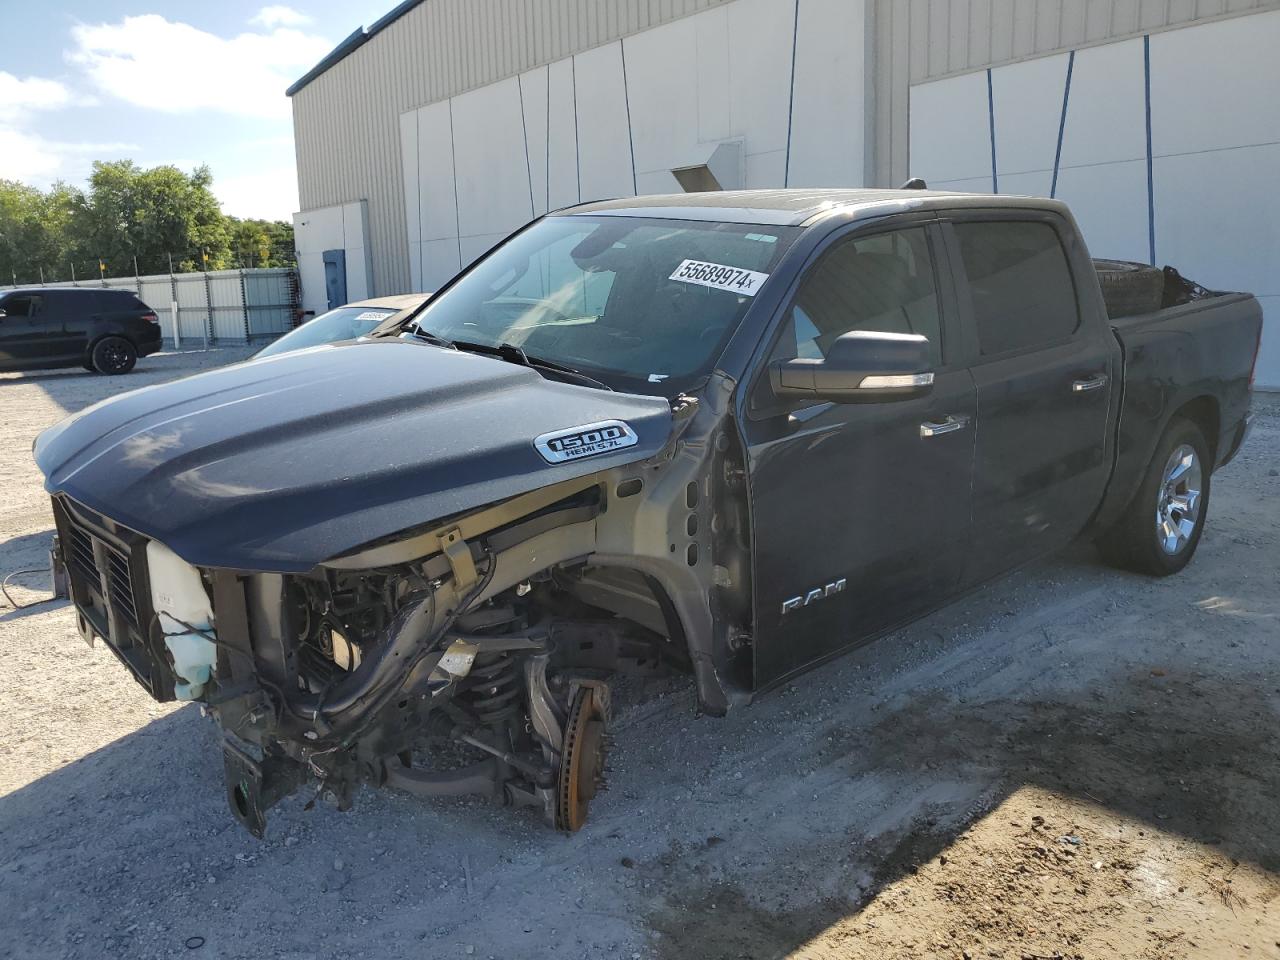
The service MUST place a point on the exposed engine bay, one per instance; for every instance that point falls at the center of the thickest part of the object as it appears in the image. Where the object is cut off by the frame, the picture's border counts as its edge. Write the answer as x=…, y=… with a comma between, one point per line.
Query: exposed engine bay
x=384, y=665
x=468, y=656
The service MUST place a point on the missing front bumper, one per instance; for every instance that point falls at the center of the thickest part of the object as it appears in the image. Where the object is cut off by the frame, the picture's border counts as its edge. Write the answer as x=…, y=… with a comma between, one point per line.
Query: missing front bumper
x=256, y=783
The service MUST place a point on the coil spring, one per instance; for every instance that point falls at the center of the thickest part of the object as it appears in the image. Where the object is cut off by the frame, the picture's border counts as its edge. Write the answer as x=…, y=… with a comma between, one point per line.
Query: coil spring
x=493, y=689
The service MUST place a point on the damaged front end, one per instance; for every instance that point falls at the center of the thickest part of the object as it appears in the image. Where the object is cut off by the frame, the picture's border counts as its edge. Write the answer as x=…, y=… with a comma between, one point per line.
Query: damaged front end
x=341, y=673
x=468, y=656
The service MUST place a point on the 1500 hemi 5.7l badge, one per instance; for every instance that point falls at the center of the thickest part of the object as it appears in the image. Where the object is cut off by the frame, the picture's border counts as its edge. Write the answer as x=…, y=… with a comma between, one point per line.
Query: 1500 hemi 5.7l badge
x=585, y=441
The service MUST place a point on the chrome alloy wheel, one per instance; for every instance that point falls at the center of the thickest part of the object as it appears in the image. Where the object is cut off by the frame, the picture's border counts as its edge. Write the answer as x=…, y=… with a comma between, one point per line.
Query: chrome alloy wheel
x=1178, y=507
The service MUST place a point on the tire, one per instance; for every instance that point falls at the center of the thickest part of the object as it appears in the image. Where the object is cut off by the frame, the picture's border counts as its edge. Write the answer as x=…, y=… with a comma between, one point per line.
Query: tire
x=1162, y=525
x=114, y=355
x=1129, y=288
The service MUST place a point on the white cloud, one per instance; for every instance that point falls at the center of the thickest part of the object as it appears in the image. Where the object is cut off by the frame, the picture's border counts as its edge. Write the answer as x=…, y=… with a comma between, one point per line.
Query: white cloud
x=172, y=67
x=279, y=16
x=19, y=96
x=35, y=160
x=270, y=194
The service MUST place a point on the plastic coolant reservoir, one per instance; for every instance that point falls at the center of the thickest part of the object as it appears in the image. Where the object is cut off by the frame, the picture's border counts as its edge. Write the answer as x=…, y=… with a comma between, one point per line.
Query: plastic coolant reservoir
x=179, y=599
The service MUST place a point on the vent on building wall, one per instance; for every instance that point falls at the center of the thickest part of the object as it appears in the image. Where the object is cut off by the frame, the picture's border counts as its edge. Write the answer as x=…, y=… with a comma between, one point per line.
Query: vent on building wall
x=717, y=166
x=697, y=179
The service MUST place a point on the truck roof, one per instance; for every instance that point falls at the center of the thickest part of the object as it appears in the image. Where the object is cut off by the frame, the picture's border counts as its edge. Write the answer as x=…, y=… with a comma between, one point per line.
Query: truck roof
x=795, y=206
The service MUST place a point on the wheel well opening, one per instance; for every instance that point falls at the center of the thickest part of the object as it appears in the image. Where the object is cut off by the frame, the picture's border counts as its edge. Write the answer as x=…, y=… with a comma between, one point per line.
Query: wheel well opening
x=635, y=604
x=1203, y=412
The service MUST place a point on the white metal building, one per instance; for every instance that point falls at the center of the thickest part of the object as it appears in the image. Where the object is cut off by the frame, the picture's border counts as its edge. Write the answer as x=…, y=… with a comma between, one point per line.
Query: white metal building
x=427, y=137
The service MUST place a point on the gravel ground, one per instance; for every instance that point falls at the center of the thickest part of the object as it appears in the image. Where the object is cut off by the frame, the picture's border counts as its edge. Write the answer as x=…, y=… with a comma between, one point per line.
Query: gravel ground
x=1073, y=762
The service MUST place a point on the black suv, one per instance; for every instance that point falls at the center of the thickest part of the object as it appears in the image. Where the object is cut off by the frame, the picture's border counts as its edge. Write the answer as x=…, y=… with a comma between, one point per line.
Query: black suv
x=103, y=330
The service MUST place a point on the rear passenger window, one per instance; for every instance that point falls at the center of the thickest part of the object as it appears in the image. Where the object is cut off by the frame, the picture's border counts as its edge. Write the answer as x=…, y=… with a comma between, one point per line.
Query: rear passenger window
x=21, y=306
x=882, y=283
x=1023, y=294
x=118, y=300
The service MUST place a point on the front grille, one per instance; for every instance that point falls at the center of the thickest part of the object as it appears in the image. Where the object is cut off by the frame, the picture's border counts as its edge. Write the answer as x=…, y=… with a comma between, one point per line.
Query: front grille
x=120, y=585
x=106, y=567
x=80, y=553
x=85, y=550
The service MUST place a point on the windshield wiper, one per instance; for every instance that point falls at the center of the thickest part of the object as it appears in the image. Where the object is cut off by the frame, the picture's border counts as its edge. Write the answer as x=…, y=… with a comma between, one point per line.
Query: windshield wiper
x=514, y=354
x=430, y=337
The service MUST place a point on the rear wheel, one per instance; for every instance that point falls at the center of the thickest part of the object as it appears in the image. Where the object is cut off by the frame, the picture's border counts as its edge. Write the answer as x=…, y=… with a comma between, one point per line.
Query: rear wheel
x=1162, y=525
x=114, y=355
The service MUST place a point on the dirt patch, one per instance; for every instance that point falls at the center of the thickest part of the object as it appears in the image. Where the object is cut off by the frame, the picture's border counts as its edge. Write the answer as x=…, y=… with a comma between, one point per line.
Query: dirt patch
x=1048, y=877
x=1102, y=806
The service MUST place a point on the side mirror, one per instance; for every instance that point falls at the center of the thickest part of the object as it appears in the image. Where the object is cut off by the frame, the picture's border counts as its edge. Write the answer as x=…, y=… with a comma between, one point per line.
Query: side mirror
x=2, y=313
x=861, y=367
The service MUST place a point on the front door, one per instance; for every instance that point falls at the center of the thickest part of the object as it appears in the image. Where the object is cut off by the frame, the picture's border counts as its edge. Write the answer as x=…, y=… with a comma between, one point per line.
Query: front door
x=24, y=335
x=860, y=511
x=1045, y=376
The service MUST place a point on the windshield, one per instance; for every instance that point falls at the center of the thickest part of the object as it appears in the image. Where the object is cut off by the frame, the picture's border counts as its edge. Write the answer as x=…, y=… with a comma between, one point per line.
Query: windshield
x=345, y=323
x=645, y=305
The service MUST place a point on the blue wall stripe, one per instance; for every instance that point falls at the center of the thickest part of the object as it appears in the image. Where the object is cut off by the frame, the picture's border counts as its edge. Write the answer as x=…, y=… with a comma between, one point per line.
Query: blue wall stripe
x=791, y=99
x=577, y=155
x=528, y=167
x=453, y=155
x=1062, y=123
x=548, y=168
x=626, y=97
x=1151, y=184
x=991, y=125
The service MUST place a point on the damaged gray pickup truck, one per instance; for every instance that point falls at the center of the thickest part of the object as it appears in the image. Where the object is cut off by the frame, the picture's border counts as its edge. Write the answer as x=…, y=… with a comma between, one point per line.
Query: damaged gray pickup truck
x=729, y=434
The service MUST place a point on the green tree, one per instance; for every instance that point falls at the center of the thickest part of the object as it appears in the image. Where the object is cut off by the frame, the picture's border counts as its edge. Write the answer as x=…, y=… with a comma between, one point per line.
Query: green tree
x=35, y=231
x=129, y=218
x=129, y=212
x=262, y=243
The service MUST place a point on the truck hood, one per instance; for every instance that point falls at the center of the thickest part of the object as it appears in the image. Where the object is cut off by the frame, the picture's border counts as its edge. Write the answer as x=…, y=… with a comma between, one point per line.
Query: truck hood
x=282, y=463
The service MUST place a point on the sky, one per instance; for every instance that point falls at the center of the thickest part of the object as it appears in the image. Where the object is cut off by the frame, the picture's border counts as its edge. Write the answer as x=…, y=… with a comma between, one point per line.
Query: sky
x=164, y=83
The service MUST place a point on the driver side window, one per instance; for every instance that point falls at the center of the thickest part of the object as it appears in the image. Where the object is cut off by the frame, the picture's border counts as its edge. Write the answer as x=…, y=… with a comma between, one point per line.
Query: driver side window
x=21, y=306
x=883, y=283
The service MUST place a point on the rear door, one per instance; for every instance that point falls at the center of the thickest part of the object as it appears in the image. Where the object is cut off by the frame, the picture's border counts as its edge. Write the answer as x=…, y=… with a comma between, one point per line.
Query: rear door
x=71, y=314
x=860, y=511
x=1045, y=372
x=24, y=334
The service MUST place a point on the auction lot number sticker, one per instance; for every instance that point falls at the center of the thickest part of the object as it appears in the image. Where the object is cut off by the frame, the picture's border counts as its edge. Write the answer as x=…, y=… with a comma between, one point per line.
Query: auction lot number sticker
x=719, y=277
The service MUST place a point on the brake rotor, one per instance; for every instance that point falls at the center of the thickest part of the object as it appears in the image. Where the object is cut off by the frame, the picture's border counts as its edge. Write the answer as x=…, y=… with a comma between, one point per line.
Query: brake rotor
x=582, y=763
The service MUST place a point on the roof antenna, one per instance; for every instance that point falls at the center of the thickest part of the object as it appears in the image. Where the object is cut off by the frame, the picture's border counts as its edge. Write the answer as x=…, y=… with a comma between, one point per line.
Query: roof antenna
x=915, y=183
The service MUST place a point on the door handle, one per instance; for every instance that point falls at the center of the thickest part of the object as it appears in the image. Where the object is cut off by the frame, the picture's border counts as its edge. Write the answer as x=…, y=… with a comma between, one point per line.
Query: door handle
x=1089, y=383
x=936, y=428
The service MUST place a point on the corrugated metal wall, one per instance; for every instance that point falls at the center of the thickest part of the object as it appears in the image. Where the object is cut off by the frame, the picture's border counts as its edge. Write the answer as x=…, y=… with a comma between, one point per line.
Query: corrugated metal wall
x=347, y=121
x=925, y=39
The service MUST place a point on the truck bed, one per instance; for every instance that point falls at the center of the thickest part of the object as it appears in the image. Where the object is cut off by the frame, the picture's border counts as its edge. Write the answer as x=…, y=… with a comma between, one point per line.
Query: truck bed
x=1191, y=359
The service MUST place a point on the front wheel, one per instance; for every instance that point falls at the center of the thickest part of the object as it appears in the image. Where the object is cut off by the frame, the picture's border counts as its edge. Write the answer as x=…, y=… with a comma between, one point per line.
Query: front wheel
x=114, y=355
x=1162, y=525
